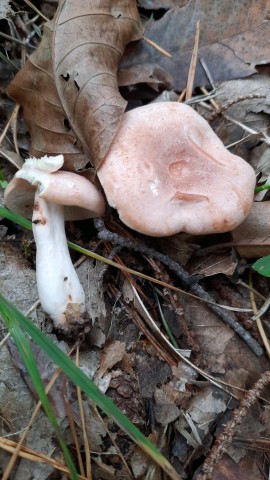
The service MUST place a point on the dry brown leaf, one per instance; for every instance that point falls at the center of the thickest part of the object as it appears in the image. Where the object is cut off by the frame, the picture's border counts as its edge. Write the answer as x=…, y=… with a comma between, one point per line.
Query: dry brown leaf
x=34, y=89
x=111, y=354
x=214, y=264
x=252, y=238
x=164, y=407
x=103, y=471
x=70, y=83
x=151, y=372
x=232, y=42
x=248, y=468
x=206, y=406
x=86, y=67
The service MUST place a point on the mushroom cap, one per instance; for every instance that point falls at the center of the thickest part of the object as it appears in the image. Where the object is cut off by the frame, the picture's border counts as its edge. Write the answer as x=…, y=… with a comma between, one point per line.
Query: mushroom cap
x=168, y=172
x=80, y=198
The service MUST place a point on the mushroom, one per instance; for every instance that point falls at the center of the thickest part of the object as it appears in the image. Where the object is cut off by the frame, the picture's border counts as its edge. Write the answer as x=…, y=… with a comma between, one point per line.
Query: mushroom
x=53, y=197
x=167, y=172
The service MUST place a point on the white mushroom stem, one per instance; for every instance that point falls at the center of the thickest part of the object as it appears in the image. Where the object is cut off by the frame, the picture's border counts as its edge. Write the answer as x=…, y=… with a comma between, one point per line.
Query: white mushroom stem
x=57, y=196
x=60, y=292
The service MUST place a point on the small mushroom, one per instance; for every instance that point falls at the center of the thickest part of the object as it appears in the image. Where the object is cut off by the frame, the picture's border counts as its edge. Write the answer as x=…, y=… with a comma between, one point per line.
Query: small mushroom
x=53, y=197
x=167, y=172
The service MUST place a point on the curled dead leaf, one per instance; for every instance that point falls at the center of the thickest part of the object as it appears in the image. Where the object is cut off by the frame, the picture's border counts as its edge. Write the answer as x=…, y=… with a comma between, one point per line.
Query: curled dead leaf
x=68, y=88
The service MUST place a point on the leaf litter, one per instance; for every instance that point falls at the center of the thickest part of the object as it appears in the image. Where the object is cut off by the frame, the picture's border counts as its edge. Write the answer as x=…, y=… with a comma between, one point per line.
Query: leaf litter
x=232, y=43
x=70, y=99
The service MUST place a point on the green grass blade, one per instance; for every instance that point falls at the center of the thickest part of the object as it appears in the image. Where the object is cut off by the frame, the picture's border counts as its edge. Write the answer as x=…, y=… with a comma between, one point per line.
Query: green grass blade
x=86, y=385
x=262, y=187
x=4, y=212
x=23, y=222
x=10, y=318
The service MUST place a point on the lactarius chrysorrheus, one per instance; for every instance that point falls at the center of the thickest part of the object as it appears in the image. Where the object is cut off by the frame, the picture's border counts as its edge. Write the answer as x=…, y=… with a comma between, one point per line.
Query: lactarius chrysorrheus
x=168, y=172
x=53, y=197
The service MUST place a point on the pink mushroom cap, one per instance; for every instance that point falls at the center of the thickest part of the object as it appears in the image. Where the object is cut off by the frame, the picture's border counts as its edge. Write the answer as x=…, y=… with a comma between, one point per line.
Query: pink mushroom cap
x=168, y=172
x=80, y=198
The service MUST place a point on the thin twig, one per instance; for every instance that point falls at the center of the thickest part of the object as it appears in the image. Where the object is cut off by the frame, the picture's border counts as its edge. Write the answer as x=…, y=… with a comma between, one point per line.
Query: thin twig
x=213, y=102
x=74, y=435
x=232, y=102
x=27, y=453
x=8, y=61
x=10, y=121
x=263, y=309
x=31, y=5
x=226, y=437
x=157, y=47
x=83, y=424
x=207, y=73
x=12, y=39
x=229, y=320
x=258, y=321
x=106, y=235
x=244, y=127
x=186, y=279
x=117, y=449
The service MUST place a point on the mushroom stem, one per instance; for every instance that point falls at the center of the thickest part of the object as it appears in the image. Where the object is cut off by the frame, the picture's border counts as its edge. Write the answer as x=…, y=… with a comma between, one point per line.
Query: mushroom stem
x=57, y=196
x=60, y=292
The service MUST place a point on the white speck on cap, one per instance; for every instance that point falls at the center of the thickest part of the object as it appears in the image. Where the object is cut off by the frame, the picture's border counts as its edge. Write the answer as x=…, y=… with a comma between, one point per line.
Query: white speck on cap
x=154, y=186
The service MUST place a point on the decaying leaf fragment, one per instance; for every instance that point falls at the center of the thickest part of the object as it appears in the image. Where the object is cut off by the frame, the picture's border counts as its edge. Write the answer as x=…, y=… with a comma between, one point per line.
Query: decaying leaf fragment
x=68, y=88
x=252, y=239
x=232, y=42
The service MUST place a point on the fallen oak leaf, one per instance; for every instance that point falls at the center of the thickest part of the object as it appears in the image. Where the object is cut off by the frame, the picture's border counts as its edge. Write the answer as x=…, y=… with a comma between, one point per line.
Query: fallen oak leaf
x=68, y=88
x=86, y=65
